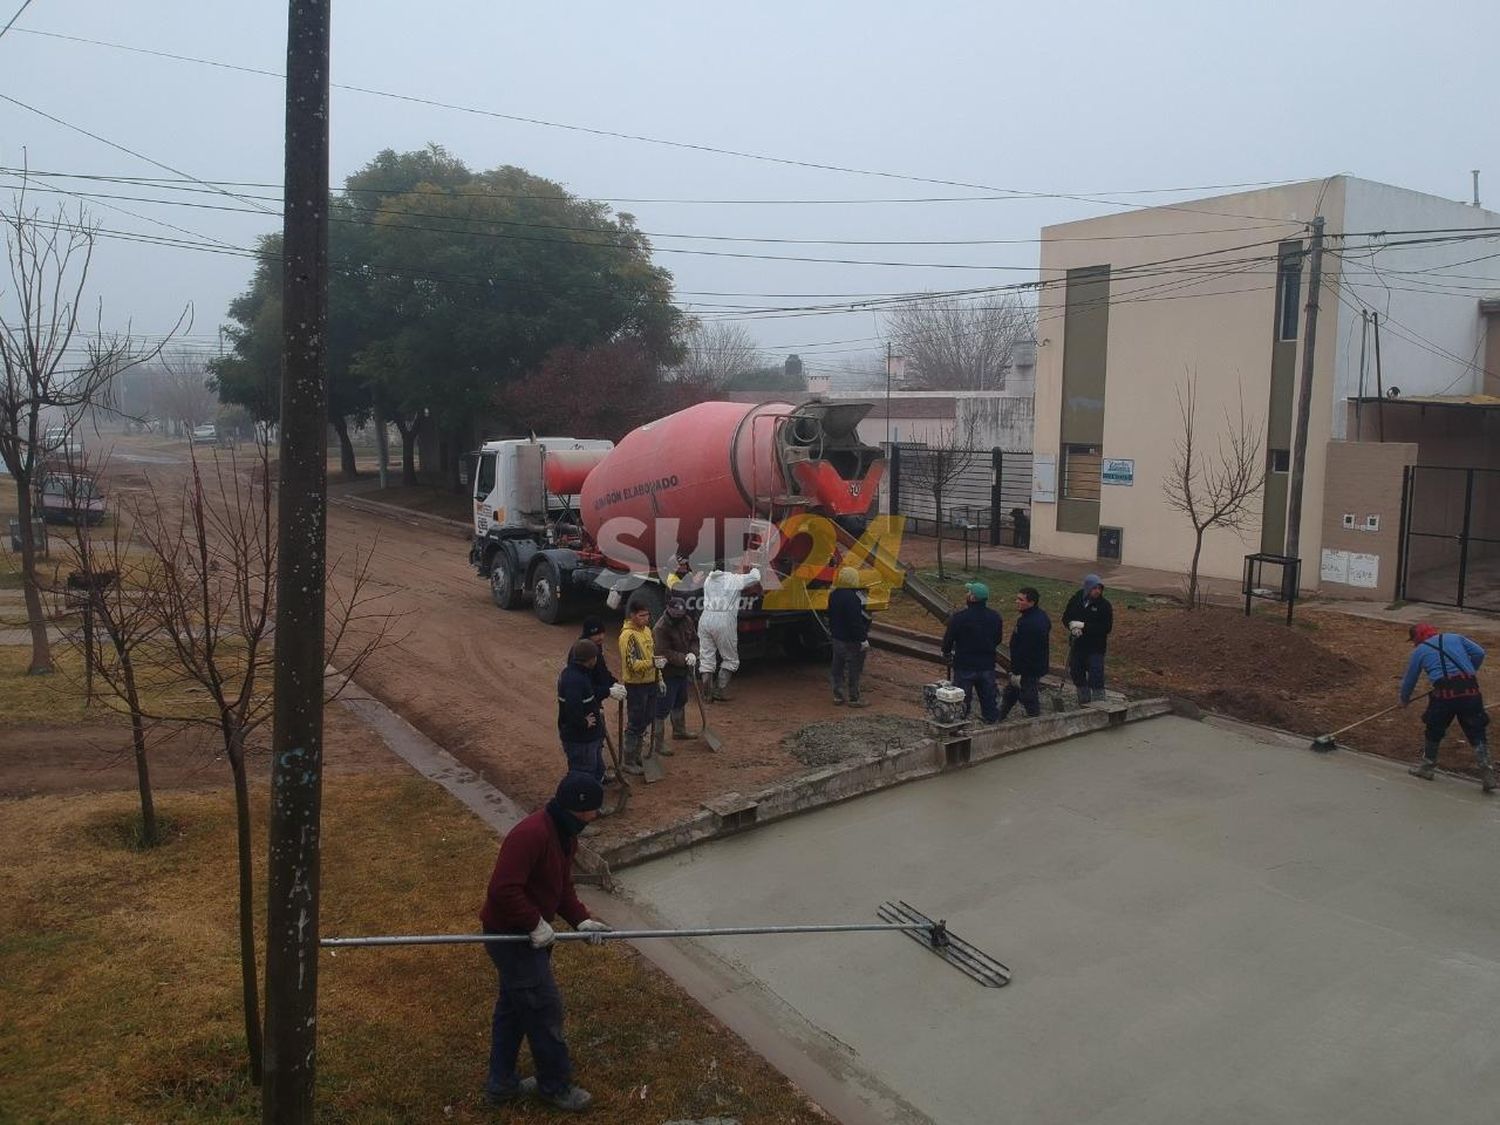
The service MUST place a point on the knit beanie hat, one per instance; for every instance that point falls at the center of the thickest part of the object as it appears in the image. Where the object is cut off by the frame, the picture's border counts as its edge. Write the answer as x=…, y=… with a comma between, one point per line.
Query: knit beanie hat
x=578, y=792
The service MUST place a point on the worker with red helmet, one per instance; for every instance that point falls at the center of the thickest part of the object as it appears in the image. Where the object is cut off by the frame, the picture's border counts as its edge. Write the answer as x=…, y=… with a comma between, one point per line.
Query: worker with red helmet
x=1452, y=663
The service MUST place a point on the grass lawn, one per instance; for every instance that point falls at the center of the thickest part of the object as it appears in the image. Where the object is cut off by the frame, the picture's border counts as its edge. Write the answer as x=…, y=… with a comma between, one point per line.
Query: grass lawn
x=119, y=985
x=427, y=499
x=1003, y=585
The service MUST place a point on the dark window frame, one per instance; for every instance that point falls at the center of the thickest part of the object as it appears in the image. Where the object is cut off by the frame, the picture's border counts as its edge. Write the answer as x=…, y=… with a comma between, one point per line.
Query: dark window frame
x=1289, y=295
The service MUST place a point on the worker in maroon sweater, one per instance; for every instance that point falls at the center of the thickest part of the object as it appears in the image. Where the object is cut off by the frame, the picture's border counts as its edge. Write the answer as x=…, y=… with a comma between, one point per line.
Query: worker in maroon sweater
x=532, y=883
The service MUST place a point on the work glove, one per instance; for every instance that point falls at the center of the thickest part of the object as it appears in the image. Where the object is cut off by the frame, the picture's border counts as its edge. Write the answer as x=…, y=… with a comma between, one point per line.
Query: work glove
x=617, y=692
x=691, y=660
x=1015, y=682
x=593, y=927
x=543, y=935
x=864, y=646
x=613, y=599
x=659, y=661
x=1076, y=628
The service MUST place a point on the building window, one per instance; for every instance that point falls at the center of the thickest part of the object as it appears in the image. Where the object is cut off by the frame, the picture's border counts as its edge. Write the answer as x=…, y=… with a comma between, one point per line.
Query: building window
x=1288, y=295
x=1081, y=472
x=1280, y=460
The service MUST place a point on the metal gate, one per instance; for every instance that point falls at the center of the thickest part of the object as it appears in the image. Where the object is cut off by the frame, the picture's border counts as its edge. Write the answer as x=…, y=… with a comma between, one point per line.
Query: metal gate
x=1451, y=546
x=982, y=491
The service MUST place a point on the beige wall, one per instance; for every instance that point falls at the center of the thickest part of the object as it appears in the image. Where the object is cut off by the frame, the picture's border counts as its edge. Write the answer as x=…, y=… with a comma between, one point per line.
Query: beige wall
x=1364, y=479
x=1211, y=315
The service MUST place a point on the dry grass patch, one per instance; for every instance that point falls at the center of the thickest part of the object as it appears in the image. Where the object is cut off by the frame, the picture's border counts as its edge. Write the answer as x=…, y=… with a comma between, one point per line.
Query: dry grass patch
x=128, y=958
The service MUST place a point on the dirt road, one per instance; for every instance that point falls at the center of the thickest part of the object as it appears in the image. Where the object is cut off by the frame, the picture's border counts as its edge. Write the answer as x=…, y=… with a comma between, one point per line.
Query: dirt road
x=482, y=682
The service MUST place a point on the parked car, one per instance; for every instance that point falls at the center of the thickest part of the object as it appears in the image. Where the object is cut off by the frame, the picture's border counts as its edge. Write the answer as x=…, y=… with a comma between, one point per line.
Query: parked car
x=205, y=433
x=61, y=446
x=66, y=497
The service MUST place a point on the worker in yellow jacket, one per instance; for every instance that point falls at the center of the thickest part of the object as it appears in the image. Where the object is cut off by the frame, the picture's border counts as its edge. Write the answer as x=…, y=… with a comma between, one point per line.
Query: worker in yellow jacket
x=639, y=665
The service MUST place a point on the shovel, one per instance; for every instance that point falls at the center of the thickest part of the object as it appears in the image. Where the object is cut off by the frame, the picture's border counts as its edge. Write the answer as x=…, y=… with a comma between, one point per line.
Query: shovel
x=708, y=736
x=616, y=799
x=650, y=760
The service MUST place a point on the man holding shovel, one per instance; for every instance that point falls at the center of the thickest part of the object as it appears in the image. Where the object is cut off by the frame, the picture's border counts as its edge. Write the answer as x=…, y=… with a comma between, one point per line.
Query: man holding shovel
x=580, y=712
x=1452, y=663
x=676, y=641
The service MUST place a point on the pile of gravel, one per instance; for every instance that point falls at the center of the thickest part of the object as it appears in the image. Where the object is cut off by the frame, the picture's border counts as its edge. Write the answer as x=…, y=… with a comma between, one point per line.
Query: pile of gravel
x=823, y=744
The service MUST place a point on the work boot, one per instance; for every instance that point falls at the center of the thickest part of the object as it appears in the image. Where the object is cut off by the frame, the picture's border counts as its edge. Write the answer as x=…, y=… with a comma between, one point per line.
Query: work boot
x=1487, y=778
x=575, y=1099
x=1084, y=696
x=679, y=726
x=504, y=1097
x=856, y=701
x=1425, y=770
x=706, y=684
x=721, y=686
x=659, y=737
x=633, y=754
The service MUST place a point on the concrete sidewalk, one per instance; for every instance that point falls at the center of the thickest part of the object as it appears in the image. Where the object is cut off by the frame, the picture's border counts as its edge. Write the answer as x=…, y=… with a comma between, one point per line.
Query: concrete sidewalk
x=1202, y=927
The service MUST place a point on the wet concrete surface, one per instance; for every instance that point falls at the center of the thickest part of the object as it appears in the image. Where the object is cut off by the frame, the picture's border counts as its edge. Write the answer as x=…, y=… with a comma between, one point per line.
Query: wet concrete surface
x=1202, y=926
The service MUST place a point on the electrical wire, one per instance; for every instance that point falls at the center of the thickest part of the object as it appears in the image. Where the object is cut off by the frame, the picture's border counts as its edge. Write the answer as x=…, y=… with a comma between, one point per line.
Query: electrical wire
x=24, y=5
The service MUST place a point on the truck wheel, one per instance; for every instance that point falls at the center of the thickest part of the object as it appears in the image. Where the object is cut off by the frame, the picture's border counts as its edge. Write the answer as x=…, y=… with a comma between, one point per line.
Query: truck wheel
x=546, y=594
x=504, y=588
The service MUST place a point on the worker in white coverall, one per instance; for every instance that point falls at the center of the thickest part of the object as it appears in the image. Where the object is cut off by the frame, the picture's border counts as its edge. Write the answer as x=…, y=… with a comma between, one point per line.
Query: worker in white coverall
x=718, y=630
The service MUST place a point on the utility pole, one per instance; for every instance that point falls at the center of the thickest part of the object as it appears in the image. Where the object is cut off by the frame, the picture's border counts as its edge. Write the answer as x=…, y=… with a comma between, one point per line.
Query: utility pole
x=301, y=512
x=1304, y=394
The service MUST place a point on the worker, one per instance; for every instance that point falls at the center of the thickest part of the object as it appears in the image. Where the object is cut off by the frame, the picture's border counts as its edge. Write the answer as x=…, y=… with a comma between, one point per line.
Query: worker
x=580, y=712
x=849, y=630
x=1030, y=654
x=1452, y=663
x=532, y=883
x=969, y=644
x=639, y=665
x=1089, y=618
x=718, y=629
x=605, y=683
x=676, y=641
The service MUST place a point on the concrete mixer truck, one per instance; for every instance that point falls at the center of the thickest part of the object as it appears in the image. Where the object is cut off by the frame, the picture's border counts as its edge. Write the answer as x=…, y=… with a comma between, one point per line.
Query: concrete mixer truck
x=565, y=522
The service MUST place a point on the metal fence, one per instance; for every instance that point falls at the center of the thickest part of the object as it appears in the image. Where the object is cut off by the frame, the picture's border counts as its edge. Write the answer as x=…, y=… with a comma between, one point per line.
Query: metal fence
x=984, y=491
x=1451, y=547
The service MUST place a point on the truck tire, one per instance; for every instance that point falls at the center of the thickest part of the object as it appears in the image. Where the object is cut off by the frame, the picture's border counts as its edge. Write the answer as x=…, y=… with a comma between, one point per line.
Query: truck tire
x=546, y=593
x=505, y=590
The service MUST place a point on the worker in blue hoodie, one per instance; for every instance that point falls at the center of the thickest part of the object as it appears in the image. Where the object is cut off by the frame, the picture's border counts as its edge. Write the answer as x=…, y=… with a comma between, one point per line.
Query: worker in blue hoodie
x=1089, y=618
x=1452, y=663
x=849, y=631
x=970, y=642
x=1030, y=654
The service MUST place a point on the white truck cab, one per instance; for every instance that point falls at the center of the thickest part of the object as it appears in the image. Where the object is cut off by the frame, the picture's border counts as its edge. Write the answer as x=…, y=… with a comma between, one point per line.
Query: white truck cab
x=510, y=482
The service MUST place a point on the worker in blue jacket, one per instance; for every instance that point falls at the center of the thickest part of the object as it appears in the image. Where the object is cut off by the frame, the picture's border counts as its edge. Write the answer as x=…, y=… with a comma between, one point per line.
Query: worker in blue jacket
x=580, y=712
x=1030, y=654
x=1452, y=663
x=849, y=632
x=970, y=642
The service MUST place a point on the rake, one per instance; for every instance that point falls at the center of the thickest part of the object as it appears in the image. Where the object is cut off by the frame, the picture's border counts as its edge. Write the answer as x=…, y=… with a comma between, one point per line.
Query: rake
x=896, y=917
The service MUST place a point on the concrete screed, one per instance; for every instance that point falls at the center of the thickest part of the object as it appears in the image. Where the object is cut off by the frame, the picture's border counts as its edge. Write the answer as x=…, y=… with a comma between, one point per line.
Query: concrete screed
x=1202, y=927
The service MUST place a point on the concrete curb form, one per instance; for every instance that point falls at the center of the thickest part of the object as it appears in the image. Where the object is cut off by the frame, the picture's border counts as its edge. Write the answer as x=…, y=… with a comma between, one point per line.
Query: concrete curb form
x=426, y=519
x=872, y=772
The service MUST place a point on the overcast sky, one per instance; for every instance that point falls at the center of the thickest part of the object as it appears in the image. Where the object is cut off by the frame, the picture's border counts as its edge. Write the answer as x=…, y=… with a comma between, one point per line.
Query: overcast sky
x=1081, y=98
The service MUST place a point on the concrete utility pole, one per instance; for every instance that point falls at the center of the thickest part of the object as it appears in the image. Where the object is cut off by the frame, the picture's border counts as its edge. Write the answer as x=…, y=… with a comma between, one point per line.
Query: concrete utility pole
x=301, y=511
x=1304, y=394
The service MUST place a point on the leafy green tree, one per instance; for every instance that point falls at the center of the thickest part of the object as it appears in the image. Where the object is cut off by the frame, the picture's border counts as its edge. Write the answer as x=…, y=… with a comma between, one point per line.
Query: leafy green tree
x=449, y=284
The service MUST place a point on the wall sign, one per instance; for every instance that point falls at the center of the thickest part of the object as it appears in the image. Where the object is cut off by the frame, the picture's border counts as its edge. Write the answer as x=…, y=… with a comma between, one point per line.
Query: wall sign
x=1118, y=470
x=1350, y=568
x=1044, y=478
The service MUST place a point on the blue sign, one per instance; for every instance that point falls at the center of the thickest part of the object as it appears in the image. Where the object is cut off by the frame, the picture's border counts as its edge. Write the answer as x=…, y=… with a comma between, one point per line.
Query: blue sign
x=1118, y=470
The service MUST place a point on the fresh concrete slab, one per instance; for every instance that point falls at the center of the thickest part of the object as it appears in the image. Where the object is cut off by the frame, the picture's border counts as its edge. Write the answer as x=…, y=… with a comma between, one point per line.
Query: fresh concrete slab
x=1202, y=927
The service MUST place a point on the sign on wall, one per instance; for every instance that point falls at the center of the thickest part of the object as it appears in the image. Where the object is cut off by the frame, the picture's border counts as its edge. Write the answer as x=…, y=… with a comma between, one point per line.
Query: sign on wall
x=1044, y=478
x=1118, y=470
x=1350, y=568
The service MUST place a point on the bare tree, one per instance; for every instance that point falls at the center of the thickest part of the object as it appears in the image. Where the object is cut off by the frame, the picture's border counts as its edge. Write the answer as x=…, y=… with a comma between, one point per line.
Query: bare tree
x=954, y=345
x=114, y=588
x=719, y=353
x=54, y=373
x=180, y=391
x=214, y=602
x=935, y=466
x=1213, y=489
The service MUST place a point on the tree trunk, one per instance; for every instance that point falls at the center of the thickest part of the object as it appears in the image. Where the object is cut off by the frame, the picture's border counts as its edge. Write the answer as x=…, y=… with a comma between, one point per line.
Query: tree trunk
x=347, y=463
x=1193, y=570
x=236, y=753
x=149, y=834
x=409, y=450
x=937, y=508
x=36, y=616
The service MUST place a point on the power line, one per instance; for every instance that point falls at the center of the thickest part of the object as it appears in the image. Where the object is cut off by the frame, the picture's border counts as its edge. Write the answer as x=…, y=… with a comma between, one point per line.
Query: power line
x=24, y=5
x=643, y=138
